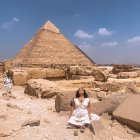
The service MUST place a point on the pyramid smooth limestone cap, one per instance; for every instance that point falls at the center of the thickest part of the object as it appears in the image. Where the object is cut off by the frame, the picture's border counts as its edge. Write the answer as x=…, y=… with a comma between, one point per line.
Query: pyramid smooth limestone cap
x=50, y=27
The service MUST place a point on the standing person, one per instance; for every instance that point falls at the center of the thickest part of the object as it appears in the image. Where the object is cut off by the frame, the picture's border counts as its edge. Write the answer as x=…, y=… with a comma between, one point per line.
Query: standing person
x=7, y=83
x=80, y=114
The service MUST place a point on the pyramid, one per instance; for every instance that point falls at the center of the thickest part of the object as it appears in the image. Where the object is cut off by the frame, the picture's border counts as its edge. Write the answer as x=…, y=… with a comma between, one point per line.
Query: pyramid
x=50, y=46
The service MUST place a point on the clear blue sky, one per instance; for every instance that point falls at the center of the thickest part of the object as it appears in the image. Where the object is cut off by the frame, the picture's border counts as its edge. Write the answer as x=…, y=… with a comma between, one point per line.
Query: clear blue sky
x=107, y=30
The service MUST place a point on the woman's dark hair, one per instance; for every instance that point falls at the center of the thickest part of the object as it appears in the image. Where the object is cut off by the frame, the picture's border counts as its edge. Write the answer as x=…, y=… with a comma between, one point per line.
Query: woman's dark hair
x=85, y=94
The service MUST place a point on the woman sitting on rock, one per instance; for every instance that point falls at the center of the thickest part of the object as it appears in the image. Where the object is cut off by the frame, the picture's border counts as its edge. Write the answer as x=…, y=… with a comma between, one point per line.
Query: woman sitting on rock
x=80, y=114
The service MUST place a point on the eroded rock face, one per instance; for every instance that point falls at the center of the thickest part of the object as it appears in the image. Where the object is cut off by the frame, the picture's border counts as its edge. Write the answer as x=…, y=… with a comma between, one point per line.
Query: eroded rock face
x=79, y=72
x=55, y=73
x=41, y=88
x=129, y=112
x=1, y=67
x=112, y=85
x=101, y=76
x=98, y=129
x=74, y=71
x=126, y=75
x=108, y=104
x=132, y=89
x=62, y=101
x=37, y=73
x=20, y=77
x=122, y=68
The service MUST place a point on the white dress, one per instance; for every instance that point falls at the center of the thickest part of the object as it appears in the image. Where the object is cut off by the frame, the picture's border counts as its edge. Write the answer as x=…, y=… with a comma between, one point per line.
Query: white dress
x=8, y=84
x=80, y=115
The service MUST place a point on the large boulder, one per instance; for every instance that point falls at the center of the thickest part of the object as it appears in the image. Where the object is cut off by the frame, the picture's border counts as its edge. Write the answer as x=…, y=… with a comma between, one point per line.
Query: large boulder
x=63, y=100
x=55, y=73
x=37, y=73
x=19, y=77
x=80, y=70
x=77, y=72
x=41, y=88
x=122, y=68
x=97, y=129
x=126, y=75
x=132, y=89
x=74, y=71
x=100, y=75
x=108, y=104
x=129, y=112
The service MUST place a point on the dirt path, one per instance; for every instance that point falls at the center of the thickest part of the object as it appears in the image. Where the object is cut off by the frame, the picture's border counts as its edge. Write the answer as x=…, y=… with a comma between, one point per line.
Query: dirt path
x=52, y=127
x=52, y=124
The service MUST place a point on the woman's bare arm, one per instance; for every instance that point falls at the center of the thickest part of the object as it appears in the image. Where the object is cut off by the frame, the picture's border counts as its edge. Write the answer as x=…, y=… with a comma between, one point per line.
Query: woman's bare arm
x=89, y=110
x=72, y=108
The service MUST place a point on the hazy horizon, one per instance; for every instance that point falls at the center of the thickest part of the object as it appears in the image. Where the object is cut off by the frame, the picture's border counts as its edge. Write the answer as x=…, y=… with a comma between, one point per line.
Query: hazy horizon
x=107, y=31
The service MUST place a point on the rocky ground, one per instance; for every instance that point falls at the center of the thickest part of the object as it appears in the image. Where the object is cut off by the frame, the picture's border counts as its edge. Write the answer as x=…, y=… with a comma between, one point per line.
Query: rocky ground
x=26, y=118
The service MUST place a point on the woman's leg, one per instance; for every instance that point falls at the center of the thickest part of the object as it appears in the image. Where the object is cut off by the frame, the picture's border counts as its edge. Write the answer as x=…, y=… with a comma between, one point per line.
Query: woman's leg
x=7, y=88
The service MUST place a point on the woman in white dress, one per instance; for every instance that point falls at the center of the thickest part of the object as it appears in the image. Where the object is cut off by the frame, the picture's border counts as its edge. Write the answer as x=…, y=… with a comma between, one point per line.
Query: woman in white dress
x=80, y=114
x=7, y=82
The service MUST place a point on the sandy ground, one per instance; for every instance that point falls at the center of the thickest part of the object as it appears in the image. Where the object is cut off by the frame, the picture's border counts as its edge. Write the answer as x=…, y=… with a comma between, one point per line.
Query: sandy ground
x=53, y=125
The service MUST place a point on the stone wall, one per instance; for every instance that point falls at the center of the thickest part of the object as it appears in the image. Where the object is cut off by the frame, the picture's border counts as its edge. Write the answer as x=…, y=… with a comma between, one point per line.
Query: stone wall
x=22, y=75
x=122, y=68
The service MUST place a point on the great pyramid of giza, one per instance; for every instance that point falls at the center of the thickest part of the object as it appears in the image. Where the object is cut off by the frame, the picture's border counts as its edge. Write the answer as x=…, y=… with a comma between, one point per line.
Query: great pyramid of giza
x=50, y=46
